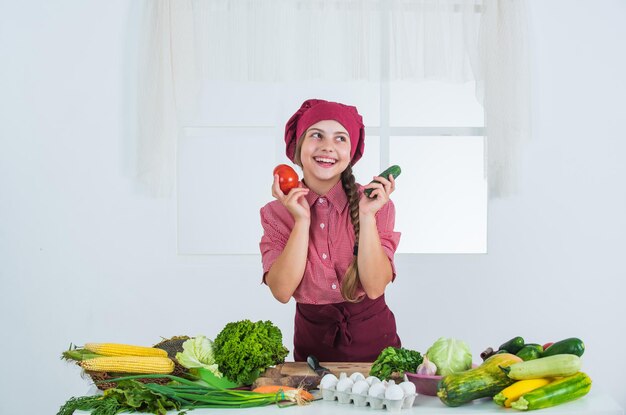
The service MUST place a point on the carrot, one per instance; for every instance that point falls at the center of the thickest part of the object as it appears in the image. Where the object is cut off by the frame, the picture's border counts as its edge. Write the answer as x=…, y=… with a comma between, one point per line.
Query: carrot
x=292, y=394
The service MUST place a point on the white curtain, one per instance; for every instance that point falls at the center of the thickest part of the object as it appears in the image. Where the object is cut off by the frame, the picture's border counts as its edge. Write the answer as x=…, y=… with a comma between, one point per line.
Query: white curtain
x=189, y=41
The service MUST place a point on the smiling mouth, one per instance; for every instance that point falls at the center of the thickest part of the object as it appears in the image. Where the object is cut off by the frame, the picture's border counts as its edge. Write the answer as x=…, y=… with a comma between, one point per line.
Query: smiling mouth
x=325, y=161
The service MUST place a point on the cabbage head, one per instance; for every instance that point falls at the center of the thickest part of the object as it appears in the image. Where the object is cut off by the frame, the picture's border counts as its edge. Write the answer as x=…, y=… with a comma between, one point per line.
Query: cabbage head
x=450, y=356
x=198, y=352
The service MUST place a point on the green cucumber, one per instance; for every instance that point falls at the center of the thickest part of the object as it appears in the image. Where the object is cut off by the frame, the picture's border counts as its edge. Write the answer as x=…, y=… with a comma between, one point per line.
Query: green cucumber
x=545, y=367
x=394, y=170
x=530, y=351
x=567, y=346
x=554, y=393
x=514, y=345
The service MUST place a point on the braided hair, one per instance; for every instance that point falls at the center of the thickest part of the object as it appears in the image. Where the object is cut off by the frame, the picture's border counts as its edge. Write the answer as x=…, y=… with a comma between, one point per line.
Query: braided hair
x=351, y=279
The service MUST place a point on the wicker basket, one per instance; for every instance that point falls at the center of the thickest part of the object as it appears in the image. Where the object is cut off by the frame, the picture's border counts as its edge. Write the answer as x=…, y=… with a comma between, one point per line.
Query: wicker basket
x=171, y=346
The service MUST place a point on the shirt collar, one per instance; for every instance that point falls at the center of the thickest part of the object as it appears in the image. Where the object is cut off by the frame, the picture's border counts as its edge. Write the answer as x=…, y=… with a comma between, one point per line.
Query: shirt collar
x=336, y=196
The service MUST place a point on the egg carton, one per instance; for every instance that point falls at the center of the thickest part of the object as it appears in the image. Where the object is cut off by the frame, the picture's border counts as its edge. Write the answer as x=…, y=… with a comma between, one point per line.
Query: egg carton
x=362, y=400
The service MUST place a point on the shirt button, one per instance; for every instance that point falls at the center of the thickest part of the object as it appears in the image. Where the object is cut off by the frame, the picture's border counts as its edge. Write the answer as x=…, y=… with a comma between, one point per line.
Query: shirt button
x=333, y=286
x=320, y=201
x=323, y=256
x=322, y=225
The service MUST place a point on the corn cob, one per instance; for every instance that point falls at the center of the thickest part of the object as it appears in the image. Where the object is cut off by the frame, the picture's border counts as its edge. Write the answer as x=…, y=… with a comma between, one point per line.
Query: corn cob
x=129, y=364
x=115, y=349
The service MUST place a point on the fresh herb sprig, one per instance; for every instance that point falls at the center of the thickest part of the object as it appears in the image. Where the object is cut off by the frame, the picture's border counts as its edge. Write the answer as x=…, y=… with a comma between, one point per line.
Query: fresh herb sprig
x=97, y=405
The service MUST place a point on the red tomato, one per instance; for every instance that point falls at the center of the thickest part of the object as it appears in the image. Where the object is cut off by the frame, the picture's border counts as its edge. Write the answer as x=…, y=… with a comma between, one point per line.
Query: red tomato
x=287, y=177
x=545, y=346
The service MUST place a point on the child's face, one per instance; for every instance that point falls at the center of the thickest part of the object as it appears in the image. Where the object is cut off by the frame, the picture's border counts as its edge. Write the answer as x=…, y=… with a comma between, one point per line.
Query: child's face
x=325, y=151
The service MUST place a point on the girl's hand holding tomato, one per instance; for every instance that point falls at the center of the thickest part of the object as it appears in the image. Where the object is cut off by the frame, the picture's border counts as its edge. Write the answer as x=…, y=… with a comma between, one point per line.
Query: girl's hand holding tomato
x=287, y=177
x=286, y=188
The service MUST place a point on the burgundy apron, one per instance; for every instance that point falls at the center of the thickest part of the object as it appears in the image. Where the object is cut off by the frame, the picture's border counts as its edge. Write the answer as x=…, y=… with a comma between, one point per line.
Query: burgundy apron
x=344, y=332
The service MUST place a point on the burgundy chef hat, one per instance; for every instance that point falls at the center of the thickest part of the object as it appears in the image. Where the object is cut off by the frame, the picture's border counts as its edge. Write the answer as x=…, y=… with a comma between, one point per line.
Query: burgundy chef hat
x=316, y=110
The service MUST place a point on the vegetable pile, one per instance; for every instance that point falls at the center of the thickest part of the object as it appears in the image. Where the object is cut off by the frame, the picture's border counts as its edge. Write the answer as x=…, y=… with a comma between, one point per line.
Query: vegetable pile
x=184, y=373
x=522, y=376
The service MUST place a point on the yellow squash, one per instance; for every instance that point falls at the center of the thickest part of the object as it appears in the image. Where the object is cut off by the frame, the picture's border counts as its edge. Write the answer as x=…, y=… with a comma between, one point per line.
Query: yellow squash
x=512, y=393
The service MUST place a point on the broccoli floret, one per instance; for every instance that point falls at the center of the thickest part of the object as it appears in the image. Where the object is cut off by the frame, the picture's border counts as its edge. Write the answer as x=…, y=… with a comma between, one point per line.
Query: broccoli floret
x=244, y=349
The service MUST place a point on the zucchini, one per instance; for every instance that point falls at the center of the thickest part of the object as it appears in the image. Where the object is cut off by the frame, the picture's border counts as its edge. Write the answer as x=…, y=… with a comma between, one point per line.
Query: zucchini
x=513, y=346
x=557, y=392
x=567, y=346
x=551, y=366
x=512, y=393
x=530, y=352
x=484, y=381
x=394, y=170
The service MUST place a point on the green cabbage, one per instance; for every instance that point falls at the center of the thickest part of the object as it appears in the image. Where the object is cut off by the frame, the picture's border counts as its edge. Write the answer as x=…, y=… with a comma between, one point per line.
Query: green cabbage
x=450, y=356
x=198, y=352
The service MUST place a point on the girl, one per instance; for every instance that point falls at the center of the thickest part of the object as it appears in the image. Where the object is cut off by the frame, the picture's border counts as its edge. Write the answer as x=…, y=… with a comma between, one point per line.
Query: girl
x=329, y=246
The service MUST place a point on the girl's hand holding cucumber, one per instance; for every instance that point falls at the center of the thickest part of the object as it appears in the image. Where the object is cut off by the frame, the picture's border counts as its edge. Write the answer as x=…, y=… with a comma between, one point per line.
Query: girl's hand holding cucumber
x=377, y=192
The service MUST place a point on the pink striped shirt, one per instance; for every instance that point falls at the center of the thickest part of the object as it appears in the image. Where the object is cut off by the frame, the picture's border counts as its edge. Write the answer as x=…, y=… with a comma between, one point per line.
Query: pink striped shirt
x=331, y=242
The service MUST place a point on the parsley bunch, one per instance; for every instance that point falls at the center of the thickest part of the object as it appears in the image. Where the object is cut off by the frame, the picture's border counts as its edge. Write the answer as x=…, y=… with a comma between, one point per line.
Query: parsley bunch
x=395, y=359
x=244, y=349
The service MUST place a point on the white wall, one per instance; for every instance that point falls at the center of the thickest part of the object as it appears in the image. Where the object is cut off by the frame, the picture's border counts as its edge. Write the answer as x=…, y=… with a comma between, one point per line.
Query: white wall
x=86, y=256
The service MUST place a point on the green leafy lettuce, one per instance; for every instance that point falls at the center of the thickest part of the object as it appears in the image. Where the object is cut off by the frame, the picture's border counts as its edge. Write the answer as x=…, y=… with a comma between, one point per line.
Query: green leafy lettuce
x=395, y=359
x=244, y=349
x=198, y=352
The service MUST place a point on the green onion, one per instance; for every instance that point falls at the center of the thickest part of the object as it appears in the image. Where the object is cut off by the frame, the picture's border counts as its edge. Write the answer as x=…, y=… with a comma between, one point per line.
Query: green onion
x=157, y=376
x=180, y=393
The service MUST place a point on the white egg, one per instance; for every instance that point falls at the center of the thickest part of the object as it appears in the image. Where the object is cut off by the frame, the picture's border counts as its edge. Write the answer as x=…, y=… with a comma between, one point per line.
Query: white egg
x=394, y=392
x=408, y=388
x=329, y=381
x=360, y=387
x=344, y=385
x=377, y=390
x=357, y=376
x=371, y=380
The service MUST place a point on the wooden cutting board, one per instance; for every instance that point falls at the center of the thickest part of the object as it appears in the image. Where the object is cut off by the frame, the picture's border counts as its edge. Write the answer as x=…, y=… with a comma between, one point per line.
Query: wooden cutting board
x=303, y=369
x=300, y=374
